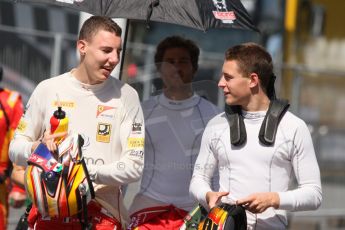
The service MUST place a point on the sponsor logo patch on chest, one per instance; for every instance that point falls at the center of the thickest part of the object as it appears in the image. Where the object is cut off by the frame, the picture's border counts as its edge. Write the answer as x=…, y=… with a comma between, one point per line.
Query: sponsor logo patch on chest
x=105, y=111
x=103, y=132
x=21, y=128
x=64, y=104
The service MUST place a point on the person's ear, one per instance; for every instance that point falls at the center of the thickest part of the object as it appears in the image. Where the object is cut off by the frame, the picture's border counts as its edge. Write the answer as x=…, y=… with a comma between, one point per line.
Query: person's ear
x=158, y=67
x=254, y=80
x=81, y=46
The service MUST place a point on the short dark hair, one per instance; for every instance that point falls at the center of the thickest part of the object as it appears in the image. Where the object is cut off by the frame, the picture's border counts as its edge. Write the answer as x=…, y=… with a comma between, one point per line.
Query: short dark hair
x=95, y=23
x=252, y=58
x=178, y=42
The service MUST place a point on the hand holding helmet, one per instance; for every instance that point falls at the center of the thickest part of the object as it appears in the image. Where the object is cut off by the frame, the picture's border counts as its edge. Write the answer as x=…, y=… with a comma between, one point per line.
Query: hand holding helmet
x=53, y=184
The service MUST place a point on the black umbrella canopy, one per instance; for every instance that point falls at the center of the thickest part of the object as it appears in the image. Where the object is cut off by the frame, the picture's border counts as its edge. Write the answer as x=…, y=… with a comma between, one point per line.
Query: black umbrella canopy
x=198, y=14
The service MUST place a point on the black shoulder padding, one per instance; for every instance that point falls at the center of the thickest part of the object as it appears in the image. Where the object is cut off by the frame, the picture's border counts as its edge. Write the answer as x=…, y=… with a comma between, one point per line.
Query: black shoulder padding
x=268, y=130
x=238, y=135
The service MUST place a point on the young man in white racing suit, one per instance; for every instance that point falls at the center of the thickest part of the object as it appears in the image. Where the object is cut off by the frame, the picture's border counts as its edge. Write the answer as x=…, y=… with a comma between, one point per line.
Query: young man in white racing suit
x=103, y=110
x=252, y=173
x=174, y=123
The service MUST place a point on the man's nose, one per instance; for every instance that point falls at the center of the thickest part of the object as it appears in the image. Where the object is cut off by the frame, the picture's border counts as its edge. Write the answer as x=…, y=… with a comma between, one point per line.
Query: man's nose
x=221, y=82
x=114, y=58
x=176, y=64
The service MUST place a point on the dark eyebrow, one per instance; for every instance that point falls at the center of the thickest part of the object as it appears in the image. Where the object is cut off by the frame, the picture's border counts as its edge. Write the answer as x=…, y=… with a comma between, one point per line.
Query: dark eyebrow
x=227, y=75
x=109, y=47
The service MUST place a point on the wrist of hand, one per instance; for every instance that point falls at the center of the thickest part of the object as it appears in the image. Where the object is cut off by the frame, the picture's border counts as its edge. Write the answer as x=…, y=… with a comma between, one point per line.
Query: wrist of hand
x=275, y=200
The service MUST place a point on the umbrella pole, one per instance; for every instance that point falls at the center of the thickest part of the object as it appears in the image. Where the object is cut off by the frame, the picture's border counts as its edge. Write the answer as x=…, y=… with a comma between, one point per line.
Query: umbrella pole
x=124, y=48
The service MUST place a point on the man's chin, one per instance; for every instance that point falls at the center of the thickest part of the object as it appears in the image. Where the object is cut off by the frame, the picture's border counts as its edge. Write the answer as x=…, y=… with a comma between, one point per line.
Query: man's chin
x=229, y=102
x=105, y=77
x=101, y=79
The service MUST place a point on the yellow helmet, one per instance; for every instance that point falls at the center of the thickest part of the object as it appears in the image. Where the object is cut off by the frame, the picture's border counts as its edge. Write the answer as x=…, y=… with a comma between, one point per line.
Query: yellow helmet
x=225, y=217
x=59, y=187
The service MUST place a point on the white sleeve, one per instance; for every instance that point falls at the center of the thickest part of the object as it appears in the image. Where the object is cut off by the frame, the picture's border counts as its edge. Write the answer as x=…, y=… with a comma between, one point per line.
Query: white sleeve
x=204, y=168
x=308, y=195
x=131, y=163
x=29, y=129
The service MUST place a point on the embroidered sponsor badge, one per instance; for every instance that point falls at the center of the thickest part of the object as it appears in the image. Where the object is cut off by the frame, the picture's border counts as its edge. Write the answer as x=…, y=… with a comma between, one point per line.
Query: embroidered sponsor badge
x=137, y=153
x=104, y=111
x=65, y=104
x=136, y=127
x=103, y=132
x=22, y=126
x=135, y=142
